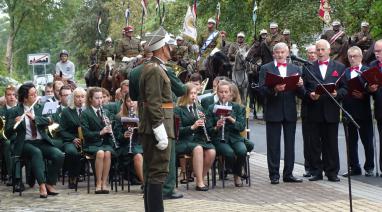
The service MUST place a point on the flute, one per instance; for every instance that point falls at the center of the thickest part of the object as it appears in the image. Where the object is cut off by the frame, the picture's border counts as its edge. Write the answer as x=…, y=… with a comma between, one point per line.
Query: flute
x=108, y=124
x=24, y=114
x=198, y=117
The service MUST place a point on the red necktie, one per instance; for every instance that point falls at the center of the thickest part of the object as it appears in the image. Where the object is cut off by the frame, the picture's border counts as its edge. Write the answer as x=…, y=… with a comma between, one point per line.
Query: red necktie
x=354, y=68
x=281, y=64
x=33, y=128
x=323, y=62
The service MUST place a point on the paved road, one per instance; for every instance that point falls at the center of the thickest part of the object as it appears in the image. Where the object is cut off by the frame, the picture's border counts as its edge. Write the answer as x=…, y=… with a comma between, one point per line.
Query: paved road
x=258, y=133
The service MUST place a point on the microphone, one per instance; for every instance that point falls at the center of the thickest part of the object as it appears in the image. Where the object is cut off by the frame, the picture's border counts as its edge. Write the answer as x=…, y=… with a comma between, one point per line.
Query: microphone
x=301, y=60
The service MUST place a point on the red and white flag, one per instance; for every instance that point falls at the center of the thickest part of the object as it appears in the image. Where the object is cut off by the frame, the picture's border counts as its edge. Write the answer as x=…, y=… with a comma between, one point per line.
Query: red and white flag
x=194, y=9
x=324, y=11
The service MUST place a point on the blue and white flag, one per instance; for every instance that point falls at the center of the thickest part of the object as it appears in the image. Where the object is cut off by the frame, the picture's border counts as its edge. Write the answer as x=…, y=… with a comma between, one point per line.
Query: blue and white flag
x=254, y=15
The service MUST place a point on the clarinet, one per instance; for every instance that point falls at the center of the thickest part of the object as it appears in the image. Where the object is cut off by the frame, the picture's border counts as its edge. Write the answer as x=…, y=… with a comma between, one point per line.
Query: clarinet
x=204, y=125
x=222, y=139
x=107, y=123
x=131, y=115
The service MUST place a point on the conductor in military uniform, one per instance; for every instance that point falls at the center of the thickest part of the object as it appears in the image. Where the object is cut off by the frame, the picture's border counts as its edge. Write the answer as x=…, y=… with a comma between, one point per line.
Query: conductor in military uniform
x=156, y=114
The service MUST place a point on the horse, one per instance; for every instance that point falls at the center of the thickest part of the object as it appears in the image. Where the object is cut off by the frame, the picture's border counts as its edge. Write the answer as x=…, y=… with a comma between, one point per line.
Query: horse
x=217, y=65
x=122, y=71
x=91, y=76
x=107, y=77
x=240, y=75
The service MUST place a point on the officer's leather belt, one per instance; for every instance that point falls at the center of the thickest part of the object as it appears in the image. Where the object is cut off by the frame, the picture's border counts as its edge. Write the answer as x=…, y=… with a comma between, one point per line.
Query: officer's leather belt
x=166, y=105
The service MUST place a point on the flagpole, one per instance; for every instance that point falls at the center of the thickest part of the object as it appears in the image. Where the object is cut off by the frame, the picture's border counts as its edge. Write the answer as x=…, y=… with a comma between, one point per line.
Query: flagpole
x=143, y=12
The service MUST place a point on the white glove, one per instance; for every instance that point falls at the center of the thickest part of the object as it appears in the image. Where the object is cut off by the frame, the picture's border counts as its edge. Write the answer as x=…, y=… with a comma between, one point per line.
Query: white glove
x=139, y=56
x=161, y=136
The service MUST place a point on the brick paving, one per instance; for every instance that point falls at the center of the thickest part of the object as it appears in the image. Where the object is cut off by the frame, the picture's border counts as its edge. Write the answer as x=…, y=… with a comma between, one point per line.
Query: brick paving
x=261, y=196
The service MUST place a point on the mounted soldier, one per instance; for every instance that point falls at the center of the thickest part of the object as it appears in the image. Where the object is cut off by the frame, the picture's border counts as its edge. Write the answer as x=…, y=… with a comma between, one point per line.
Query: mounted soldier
x=337, y=39
x=363, y=38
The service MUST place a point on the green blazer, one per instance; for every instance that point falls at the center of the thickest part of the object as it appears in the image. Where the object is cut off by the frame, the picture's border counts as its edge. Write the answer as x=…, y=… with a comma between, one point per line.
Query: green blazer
x=113, y=107
x=187, y=119
x=69, y=123
x=17, y=136
x=177, y=87
x=206, y=102
x=91, y=126
x=231, y=131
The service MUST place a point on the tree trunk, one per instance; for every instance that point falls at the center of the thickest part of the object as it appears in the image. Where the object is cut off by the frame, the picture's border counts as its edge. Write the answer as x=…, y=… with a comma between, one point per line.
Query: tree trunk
x=9, y=53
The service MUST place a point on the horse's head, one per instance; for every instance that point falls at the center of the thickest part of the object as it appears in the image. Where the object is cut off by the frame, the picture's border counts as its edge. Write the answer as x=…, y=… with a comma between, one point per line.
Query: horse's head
x=218, y=65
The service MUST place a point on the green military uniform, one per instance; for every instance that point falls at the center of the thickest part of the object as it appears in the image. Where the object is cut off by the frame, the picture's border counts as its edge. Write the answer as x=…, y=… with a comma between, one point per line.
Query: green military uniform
x=216, y=42
x=6, y=143
x=179, y=89
x=335, y=45
x=188, y=138
x=272, y=40
x=113, y=107
x=91, y=126
x=128, y=47
x=233, y=147
x=34, y=150
x=363, y=40
x=234, y=48
x=69, y=124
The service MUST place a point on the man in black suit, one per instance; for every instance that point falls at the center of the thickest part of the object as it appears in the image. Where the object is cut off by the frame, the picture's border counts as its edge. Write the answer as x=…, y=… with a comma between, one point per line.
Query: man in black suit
x=323, y=113
x=376, y=91
x=357, y=103
x=280, y=112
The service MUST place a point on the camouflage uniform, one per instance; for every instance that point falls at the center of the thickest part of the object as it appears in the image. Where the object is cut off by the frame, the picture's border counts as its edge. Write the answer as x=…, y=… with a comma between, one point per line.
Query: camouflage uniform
x=179, y=54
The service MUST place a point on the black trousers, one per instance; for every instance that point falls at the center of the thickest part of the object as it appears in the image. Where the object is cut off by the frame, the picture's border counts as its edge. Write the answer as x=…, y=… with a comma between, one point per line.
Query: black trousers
x=324, y=142
x=380, y=140
x=366, y=134
x=273, y=148
x=306, y=133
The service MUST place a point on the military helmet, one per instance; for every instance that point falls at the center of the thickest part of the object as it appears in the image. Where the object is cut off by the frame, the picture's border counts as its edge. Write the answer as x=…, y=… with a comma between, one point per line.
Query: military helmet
x=108, y=39
x=128, y=29
x=263, y=31
x=364, y=24
x=64, y=52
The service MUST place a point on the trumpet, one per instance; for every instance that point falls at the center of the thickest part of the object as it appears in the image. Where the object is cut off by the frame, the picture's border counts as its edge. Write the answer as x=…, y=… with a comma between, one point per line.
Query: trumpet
x=24, y=114
x=108, y=124
x=196, y=104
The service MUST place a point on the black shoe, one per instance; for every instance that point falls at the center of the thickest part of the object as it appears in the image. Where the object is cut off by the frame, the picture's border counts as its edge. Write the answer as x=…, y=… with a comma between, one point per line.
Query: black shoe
x=98, y=191
x=292, y=179
x=43, y=196
x=19, y=187
x=369, y=173
x=52, y=193
x=204, y=188
x=352, y=173
x=315, y=178
x=173, y=196
x=333, y=179
x=274, y=181
x=307, y=174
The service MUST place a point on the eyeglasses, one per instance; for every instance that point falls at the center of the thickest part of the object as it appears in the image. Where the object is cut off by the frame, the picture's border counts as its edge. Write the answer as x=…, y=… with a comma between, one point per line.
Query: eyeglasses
x=379, y=51
x=354, y=56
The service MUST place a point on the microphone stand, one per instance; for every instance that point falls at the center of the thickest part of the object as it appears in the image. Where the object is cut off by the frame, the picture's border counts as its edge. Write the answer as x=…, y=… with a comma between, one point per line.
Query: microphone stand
x=345, y=121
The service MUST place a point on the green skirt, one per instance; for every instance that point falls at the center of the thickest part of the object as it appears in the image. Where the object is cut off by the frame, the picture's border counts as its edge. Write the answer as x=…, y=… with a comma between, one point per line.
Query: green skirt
x=91, y=149
x=187, y=147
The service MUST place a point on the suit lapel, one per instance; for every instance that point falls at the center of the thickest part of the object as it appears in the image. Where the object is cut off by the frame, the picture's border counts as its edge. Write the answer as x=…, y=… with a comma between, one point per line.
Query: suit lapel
x=317, y=72
x=329, y=70
x=93, y=114
x=74, y=114
x=274, y=69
